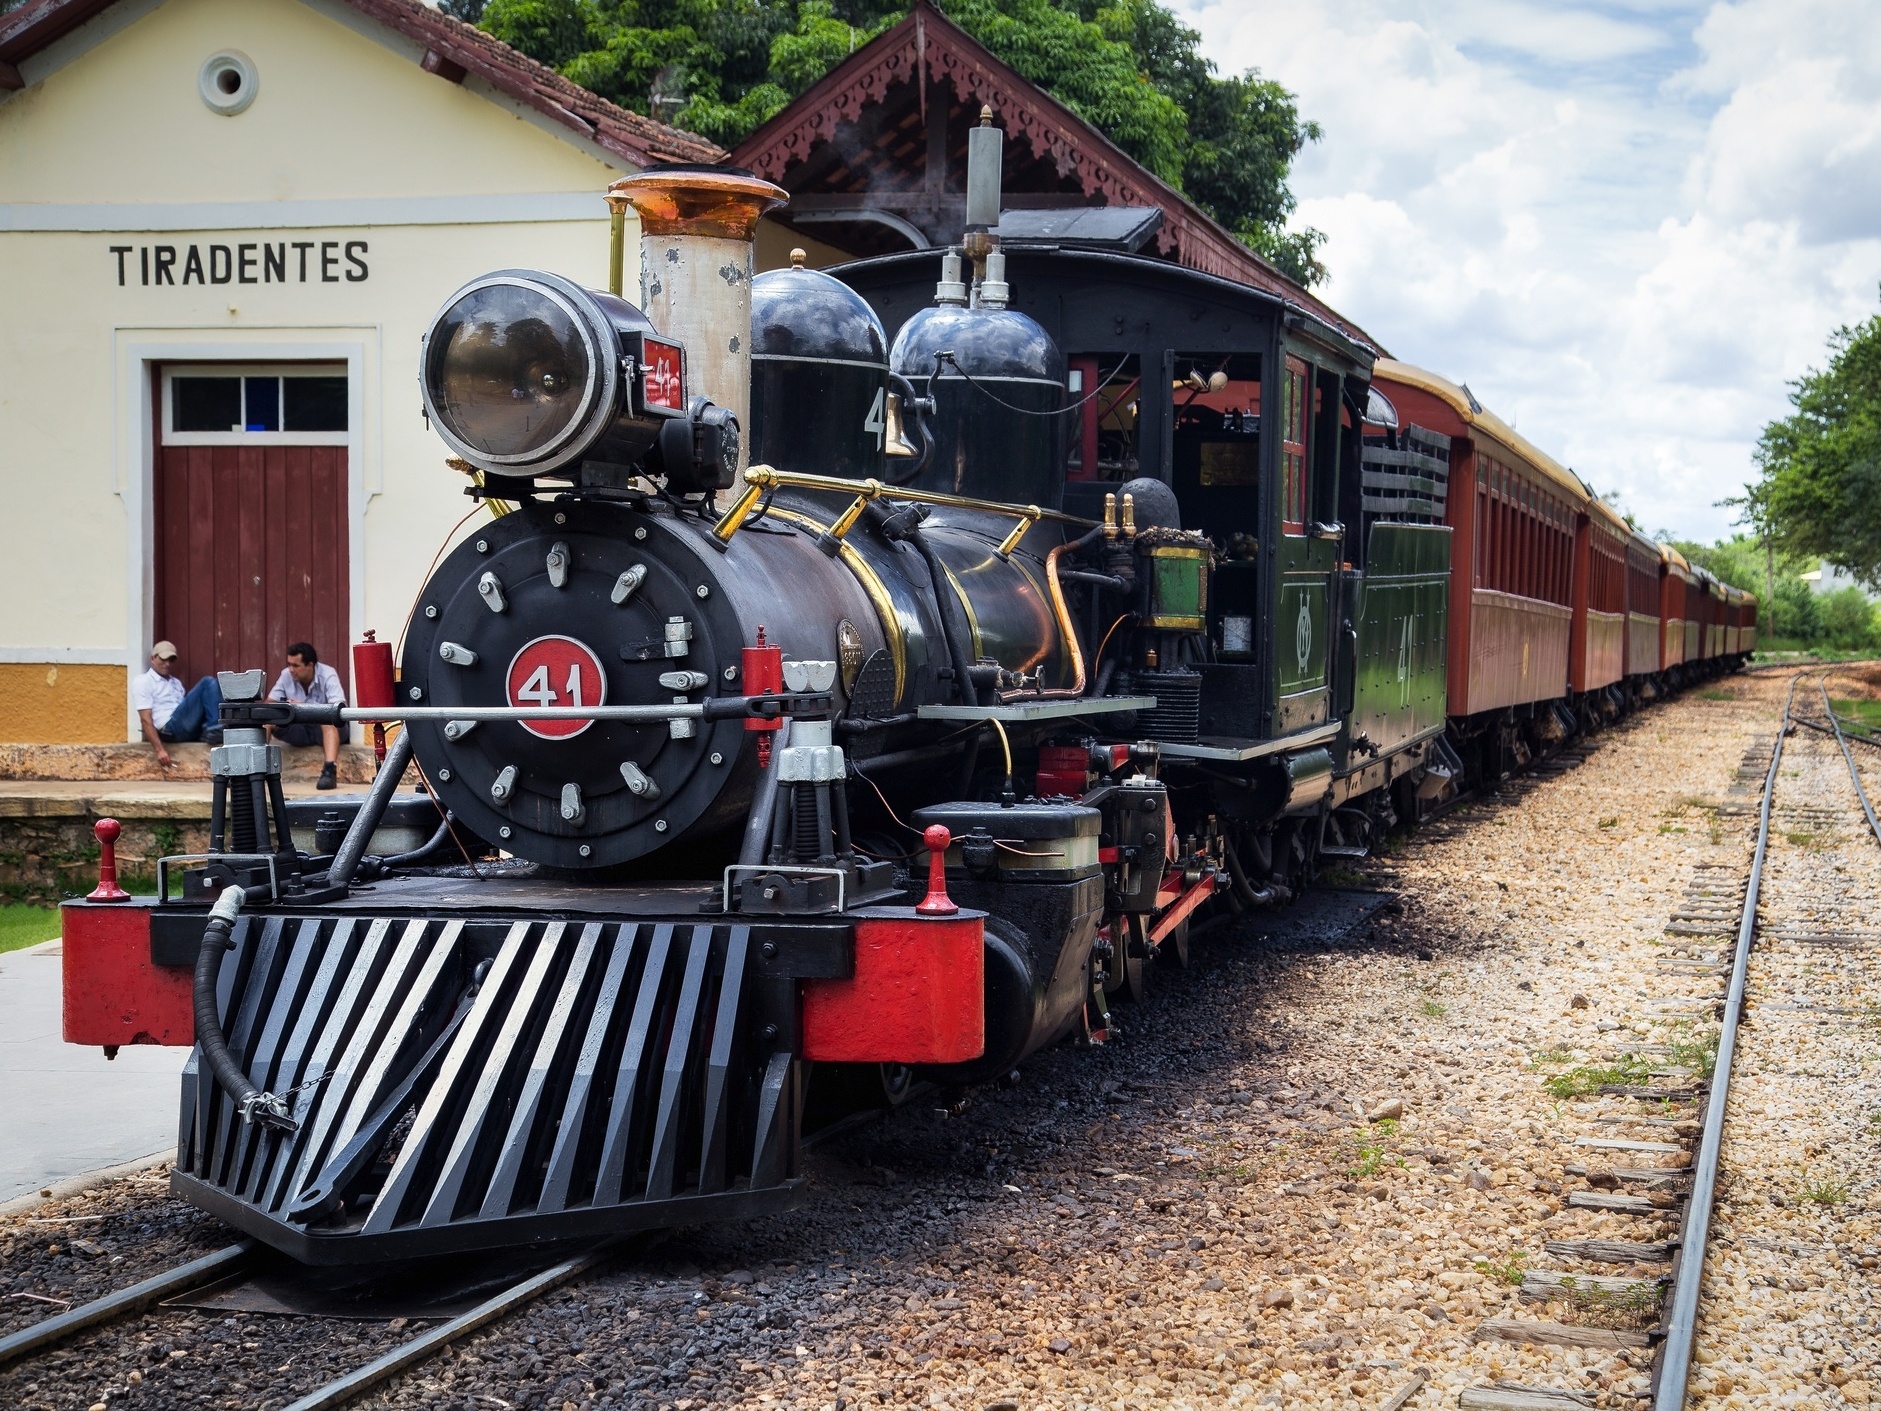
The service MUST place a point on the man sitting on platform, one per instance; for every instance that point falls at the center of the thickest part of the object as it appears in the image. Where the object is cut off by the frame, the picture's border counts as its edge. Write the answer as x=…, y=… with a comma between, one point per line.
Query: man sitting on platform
x=306, y=680
x=170, y=715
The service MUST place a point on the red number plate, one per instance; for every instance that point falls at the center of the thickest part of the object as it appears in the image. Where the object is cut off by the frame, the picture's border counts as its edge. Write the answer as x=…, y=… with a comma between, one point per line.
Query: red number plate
x=665, y=381
x=556, y=671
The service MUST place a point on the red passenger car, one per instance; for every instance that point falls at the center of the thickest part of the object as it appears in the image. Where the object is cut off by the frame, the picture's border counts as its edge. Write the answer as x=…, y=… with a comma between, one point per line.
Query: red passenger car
x=1643, y=636
x=1597, y=649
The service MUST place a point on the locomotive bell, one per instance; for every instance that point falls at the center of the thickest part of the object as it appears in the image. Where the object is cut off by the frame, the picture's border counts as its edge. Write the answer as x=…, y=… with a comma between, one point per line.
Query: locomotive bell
x=524, y=373
x=819, y=376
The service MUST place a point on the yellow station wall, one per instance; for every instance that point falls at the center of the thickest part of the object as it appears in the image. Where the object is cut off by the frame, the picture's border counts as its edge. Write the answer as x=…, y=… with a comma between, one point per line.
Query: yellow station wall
x=118, y=133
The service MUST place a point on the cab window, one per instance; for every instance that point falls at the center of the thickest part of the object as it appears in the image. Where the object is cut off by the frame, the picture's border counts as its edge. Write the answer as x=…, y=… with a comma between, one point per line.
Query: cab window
x=1294, y=408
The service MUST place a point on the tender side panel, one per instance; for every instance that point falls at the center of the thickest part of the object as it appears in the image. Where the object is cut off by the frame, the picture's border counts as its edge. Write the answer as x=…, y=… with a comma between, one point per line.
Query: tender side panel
x=1402, y=635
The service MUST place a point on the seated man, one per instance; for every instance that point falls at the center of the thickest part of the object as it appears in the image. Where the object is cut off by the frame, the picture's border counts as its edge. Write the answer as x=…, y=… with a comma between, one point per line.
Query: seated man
x=170, y=715
x=307, y=680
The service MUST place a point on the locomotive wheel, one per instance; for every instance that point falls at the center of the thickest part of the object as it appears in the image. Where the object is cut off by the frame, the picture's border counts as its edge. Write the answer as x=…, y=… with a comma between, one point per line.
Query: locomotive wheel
x=1129, y=978
x=1173, y=949
x=897, y=1083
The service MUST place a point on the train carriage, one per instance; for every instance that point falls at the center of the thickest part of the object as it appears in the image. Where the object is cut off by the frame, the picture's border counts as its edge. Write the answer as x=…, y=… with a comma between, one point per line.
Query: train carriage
x=1643, y=632
x=1675, y=576
x=1597, y=651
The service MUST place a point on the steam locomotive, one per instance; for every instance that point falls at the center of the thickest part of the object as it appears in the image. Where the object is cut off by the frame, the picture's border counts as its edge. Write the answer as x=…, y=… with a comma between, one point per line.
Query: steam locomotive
x=819, y=714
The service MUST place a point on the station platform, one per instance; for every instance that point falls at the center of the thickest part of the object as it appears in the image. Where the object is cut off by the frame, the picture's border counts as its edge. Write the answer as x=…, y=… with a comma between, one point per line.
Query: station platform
x=50, y=795
x=69, y=1111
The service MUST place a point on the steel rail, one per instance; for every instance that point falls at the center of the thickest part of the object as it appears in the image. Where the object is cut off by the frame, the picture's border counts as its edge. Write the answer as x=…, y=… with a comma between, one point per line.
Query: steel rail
x=1681, y=1323
x=50, y=1331
x=1848, y=755
x=409, y=1354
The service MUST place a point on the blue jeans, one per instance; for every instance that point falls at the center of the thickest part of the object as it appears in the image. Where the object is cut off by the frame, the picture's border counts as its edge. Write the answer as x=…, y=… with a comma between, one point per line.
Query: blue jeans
x=200, y=711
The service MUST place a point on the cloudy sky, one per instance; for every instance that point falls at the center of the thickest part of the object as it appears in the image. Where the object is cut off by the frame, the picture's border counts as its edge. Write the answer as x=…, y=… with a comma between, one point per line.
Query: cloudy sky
x=1626, y=225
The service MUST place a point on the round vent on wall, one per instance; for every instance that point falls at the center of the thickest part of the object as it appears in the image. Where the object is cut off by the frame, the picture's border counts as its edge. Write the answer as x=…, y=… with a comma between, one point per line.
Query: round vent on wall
x=228, y=83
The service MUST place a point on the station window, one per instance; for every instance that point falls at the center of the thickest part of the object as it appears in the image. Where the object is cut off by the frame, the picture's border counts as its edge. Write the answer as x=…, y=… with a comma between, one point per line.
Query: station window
x=1293, y=414
x=303, y=404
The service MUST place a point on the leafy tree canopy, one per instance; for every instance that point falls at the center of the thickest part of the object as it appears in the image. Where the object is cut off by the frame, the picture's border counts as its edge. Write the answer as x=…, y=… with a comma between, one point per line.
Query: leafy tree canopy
x=1818, y=492
x=722, y=67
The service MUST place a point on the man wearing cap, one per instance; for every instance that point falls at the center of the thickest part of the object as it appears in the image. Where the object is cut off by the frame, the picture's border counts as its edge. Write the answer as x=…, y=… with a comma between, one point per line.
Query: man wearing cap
x=170, y=715
x=307, y=680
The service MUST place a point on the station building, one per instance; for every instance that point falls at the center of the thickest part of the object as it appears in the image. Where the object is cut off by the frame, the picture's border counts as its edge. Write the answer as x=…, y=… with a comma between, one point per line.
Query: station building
x=224, y=226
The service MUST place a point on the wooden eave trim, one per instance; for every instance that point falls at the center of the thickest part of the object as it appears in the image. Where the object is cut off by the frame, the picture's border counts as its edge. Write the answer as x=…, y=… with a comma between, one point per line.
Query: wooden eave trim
x=1056, y=134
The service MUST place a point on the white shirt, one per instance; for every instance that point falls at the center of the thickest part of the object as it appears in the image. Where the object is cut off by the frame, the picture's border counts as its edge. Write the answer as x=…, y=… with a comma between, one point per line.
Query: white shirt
x=326, y=688
x=158, y=694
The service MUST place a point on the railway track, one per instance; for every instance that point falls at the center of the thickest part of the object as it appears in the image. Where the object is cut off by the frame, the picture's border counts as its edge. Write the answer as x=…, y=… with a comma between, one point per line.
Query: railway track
x=240, y=1257
x=1677, y=1142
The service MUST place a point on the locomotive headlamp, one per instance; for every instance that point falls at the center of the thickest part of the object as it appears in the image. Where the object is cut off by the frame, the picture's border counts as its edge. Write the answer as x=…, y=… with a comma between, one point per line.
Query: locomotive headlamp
x=524, y=372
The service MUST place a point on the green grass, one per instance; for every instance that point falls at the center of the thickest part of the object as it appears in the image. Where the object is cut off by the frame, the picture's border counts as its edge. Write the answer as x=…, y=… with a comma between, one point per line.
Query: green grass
x=1718, y=693
x=1696, y=1051
x=1864, y=714
x=1431, y=1009
x=1506, y=1270
x=22, y=925
x=1825, y=1192
x=1625, y=1072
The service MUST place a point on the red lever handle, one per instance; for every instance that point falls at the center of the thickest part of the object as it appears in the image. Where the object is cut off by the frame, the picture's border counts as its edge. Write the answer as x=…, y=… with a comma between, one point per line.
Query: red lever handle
x=937, y=902
x=106, y=831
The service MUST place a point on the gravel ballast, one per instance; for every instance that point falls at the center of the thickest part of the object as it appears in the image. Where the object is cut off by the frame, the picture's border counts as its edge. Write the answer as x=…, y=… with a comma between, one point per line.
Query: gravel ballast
x=1308, y=1173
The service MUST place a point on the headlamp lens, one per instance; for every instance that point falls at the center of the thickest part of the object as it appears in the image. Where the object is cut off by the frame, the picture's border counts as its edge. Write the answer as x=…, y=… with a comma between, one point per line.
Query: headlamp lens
x=508, y=370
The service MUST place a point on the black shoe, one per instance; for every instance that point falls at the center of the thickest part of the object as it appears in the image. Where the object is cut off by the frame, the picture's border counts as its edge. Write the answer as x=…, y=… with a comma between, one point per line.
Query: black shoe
x=328, y=778
x=212, y=738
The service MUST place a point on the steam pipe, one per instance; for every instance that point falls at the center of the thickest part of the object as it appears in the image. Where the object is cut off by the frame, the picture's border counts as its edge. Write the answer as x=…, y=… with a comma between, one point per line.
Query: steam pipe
x=947, y=606
x=353, y=846
x=763, y=805
x=1062, y=612
x=418, y=854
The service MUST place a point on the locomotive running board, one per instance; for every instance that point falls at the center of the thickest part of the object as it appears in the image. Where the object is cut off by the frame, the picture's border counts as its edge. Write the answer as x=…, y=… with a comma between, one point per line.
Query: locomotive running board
x=465, y=1083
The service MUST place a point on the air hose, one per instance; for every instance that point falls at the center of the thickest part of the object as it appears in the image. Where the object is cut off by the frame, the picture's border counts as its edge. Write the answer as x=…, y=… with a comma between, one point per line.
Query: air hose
x=253, y=1104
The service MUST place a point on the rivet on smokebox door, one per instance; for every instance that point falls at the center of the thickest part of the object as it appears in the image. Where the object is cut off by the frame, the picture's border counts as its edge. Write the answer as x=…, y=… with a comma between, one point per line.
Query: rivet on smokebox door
x=703, y=591
x=560, y=518
x=483, y=546
x=641, y=532
x=659, y=825
x=586, y=851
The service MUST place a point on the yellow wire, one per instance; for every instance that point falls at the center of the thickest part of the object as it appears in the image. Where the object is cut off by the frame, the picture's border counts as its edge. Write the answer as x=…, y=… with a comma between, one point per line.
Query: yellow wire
x=1005, y=745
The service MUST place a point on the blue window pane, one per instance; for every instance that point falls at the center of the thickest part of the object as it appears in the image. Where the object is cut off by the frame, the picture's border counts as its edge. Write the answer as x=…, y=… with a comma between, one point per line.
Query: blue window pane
x=263, y=398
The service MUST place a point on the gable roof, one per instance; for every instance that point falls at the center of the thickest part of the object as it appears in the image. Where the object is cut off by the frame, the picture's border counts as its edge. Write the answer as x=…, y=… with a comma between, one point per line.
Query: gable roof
x=452, y=49
x=927, y=47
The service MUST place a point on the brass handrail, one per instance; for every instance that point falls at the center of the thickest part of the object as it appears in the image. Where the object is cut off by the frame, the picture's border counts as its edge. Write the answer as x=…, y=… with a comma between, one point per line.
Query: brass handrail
x=760, y=478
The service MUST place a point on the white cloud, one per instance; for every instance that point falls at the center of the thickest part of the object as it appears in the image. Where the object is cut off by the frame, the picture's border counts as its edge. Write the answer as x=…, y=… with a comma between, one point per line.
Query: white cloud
x=1627, y=225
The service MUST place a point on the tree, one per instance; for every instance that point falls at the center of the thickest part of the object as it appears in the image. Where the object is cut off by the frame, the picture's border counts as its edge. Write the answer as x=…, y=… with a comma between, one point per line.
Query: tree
x=1818, y=491
x=1129, y=67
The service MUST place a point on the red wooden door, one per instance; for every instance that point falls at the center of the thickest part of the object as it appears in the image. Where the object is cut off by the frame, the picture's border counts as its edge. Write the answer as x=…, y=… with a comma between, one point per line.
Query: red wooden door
x=251, y=554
